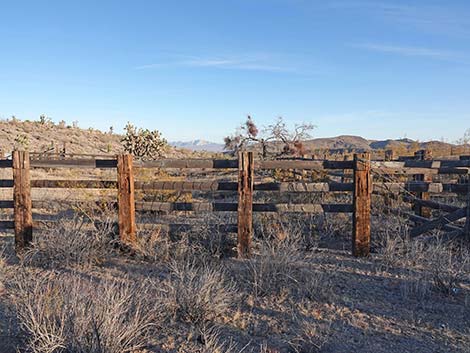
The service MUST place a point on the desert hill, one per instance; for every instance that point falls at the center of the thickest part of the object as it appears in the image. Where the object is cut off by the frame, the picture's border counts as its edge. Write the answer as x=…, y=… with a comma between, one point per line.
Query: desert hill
x=37, y=136
x=40, y=136
x=337, y=144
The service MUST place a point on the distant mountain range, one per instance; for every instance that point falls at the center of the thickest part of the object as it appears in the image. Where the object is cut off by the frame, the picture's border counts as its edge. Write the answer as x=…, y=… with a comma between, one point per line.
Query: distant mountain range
x=198, y=145
x=343, y=142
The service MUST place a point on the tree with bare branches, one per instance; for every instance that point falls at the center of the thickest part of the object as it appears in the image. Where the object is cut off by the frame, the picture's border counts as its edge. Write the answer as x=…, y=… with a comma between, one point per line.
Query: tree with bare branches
x=270, y=138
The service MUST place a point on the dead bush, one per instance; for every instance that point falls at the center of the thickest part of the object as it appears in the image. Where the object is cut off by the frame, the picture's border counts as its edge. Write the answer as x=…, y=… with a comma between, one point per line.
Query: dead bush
x=448, y=267
x=213, y=343
x=156, y=246
x=197, y=294
x=275, y=267
x=65, y=313
x=317, y=285
x=303, y=229
x=203, y=242
x=3, y=270
x=3, y=263
x=72, y=242
x=433, y=265
x=311, y=336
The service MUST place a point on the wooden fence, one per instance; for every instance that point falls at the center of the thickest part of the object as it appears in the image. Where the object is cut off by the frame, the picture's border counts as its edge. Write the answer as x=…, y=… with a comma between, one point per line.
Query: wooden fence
x=361, y=170
x=245, y=187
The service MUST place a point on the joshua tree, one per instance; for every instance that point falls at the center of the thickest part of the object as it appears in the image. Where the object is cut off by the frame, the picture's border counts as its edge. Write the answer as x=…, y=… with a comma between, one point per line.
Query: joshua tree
x=44, y=119
x=268, y=138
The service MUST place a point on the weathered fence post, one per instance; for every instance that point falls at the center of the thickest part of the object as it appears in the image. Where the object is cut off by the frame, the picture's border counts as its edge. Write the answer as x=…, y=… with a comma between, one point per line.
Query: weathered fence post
x=22, y=207
x=361, y=205
x=467, y=221
x=423, y=155
x=245, y=202
x=126, y=200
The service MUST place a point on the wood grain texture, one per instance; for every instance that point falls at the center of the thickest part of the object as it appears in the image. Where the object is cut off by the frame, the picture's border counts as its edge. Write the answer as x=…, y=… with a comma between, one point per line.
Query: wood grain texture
x=439, y=222
x=126, y=200
x=361, y=205
x=22, y=205
x=419, y=209
x=245, y=202
x=233, y=207
x=467, y=221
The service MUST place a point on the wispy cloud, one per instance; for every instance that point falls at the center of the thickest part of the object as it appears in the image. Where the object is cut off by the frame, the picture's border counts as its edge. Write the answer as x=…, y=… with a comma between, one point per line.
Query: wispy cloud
x=254, y=63
x=411, y=51
x=450, y=19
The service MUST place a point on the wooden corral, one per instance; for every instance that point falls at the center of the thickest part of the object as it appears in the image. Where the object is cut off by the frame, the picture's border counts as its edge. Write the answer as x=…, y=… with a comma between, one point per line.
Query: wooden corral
x=417, y=177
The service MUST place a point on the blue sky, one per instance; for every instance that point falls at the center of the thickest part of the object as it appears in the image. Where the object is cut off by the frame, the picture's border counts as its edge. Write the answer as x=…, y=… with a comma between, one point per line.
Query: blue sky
x=195, y=69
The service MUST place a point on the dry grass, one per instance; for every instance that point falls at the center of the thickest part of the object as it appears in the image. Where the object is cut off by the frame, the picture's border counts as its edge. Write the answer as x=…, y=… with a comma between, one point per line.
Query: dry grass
x=70, y=243
x=197, y=294
x=3, y=270
x=183, y=294
x=274, y=269
x=281, y=267
x=61, y=312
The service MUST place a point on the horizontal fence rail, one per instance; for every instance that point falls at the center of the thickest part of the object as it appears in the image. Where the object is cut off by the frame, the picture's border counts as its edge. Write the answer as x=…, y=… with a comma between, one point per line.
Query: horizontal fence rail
x=356, y=179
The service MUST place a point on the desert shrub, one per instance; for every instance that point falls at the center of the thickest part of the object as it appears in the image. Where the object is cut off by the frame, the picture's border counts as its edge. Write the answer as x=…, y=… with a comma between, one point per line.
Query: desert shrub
x=213, y=342
x=73, y=242
x=65, y=313
x=44, y=120
x=279, y=266
x=317, y=285
x=392, y=249
x=428, y=266
x=304, y=230
x=202, y=243
x=448, y=267
x=143, y=143
x=311, y=336
x=197, y=294
x=416, y=287
x=3, y=270
x=155, y=245
x=275, y=267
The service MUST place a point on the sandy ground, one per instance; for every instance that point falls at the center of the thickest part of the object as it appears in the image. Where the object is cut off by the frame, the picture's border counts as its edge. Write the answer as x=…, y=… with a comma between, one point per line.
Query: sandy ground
x=361, y=307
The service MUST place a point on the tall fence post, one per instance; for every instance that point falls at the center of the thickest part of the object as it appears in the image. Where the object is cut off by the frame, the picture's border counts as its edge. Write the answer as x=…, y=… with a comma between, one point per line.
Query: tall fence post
x=361, y=205
x=467, y=221
x=245, y=202
x=22, y=207
x=126, y=200
x=423, y=155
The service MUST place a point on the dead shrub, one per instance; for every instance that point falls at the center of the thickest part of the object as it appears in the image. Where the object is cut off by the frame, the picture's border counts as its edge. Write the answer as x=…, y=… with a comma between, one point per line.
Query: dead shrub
x=447, y=267
x=303, y=229
x=275, y=267
x=433, y=265
x=317, y=286
x=65, y=313
x=203, y=242
x=73, y=242
x=3, y=270
x=311, y=336
x=3, y=263
x=213, y=343
x=156, y=246
x=197, y=294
